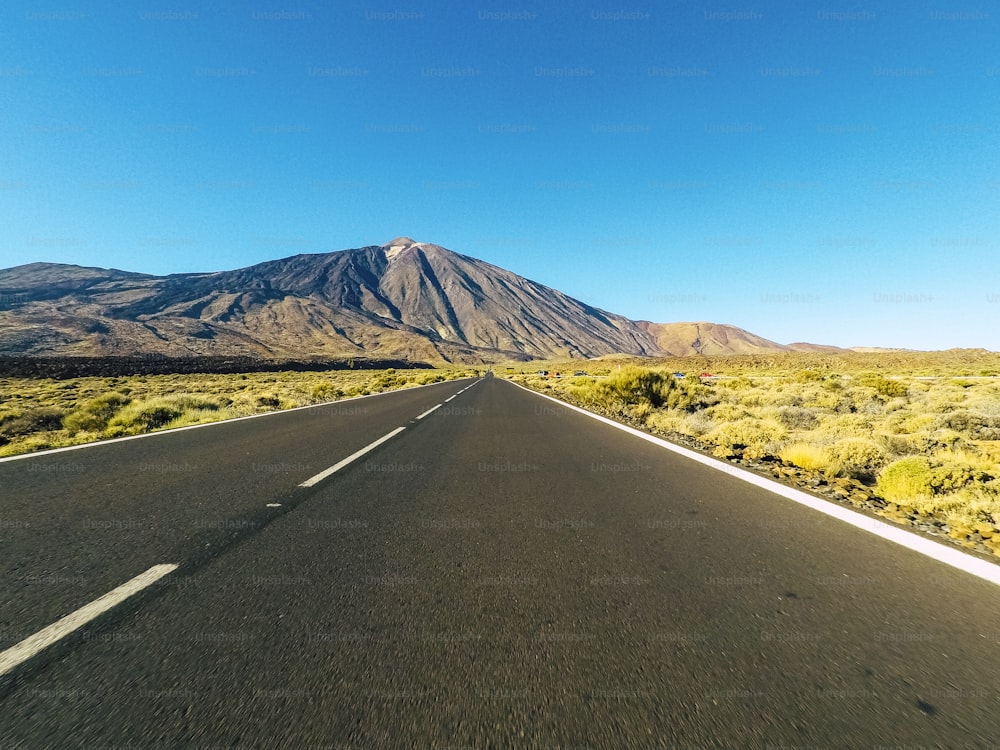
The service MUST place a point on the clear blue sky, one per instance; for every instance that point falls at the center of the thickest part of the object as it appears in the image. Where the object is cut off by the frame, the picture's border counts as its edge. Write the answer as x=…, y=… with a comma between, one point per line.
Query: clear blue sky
x=825, y=172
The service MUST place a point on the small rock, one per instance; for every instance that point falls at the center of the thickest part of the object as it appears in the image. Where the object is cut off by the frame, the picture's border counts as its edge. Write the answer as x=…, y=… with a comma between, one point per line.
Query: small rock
x=985, y=530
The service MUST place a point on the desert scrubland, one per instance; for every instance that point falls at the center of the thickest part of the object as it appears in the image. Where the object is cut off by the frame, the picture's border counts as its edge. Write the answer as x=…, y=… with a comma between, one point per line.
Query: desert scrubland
x=36, y=414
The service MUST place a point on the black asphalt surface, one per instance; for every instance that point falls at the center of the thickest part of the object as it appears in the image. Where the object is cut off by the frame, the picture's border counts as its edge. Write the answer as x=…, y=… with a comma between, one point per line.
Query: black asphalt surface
x=504, y=573
x=75, y=524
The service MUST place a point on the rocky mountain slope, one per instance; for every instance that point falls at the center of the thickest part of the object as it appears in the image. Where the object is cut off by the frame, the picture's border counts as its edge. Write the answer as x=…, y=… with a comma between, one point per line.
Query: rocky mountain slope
x=405, y=300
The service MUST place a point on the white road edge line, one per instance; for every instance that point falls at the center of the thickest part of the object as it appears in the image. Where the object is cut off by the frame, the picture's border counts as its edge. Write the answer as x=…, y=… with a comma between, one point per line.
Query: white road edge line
x=45, y=637
x=109, y=441
x=354, y=456
x=935, y=550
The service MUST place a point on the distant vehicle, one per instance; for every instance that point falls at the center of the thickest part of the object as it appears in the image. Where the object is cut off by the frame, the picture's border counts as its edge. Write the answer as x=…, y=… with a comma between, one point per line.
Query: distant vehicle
x=578, y=373
x=543, y=373
x=706, y=375
x=679, y=375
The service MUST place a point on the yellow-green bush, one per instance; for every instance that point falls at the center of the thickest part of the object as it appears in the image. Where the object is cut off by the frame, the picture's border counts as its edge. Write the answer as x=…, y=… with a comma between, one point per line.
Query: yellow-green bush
x=665, y=421
x=751, y=438
x=908, y=422
x=696, y=425
x=906, y=480
x=951, y=477
x=969, y=506
x=727, y=412
x=809, y=376
x=740, y=383
x=42, y=419
x=639, y=411
x=946, y=438
x=859, y=458
x=326, y=392
x=627, y=388
x=94, y=415
x=806, y=456
x=387, y=380
x=797, y=418
x=904, y=445
x=754, y=399
x=974, y=459
x=836, y=426
x=972, y=424
x=690, y=394
x=944, y=399
x=815, y=399
x=882, y=385
x=156, y=413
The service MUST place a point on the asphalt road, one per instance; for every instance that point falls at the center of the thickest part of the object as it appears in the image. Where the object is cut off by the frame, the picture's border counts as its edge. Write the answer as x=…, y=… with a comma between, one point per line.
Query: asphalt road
x=505, y=572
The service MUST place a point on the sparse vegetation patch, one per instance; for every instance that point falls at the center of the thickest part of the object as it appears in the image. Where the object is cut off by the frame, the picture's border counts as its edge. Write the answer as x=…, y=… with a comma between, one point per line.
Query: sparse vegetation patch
x=40, y=413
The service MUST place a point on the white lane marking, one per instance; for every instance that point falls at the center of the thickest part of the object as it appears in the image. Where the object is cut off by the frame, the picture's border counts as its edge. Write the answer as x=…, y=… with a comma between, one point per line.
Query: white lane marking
x=429, y=411
x=450, y=397
x=354, y=456
x=45, y=637
x=935, y=550
x=199, y=426
x=274, y=505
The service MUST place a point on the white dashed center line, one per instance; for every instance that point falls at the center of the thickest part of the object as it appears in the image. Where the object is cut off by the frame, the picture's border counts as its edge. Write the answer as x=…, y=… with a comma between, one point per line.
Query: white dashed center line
x=351, y=458
x=45, y=637
x=429, y=411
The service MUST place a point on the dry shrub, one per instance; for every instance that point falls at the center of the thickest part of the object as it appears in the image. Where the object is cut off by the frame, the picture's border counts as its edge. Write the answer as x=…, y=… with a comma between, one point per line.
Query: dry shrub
x=665, y=421
x=797, y=418
x=839, y=426
x=914, y=477
x=634, y=391
x=904, y=445
x=973, y=458
x=909, y=423
x=726, y=412
x=751, y=438
x=807, y=456
x=156, y=413
x=906, y=480
x=326, y=392
x=882, y=385
x=94, y=415
x=822, y=400
x=696, y=425
x=859, y=458
x=42, y=419
x=972, y=424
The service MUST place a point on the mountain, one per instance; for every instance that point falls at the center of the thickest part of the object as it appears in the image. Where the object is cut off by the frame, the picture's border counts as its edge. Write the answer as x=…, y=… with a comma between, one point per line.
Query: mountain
x=403, y=300
x=685, y=339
